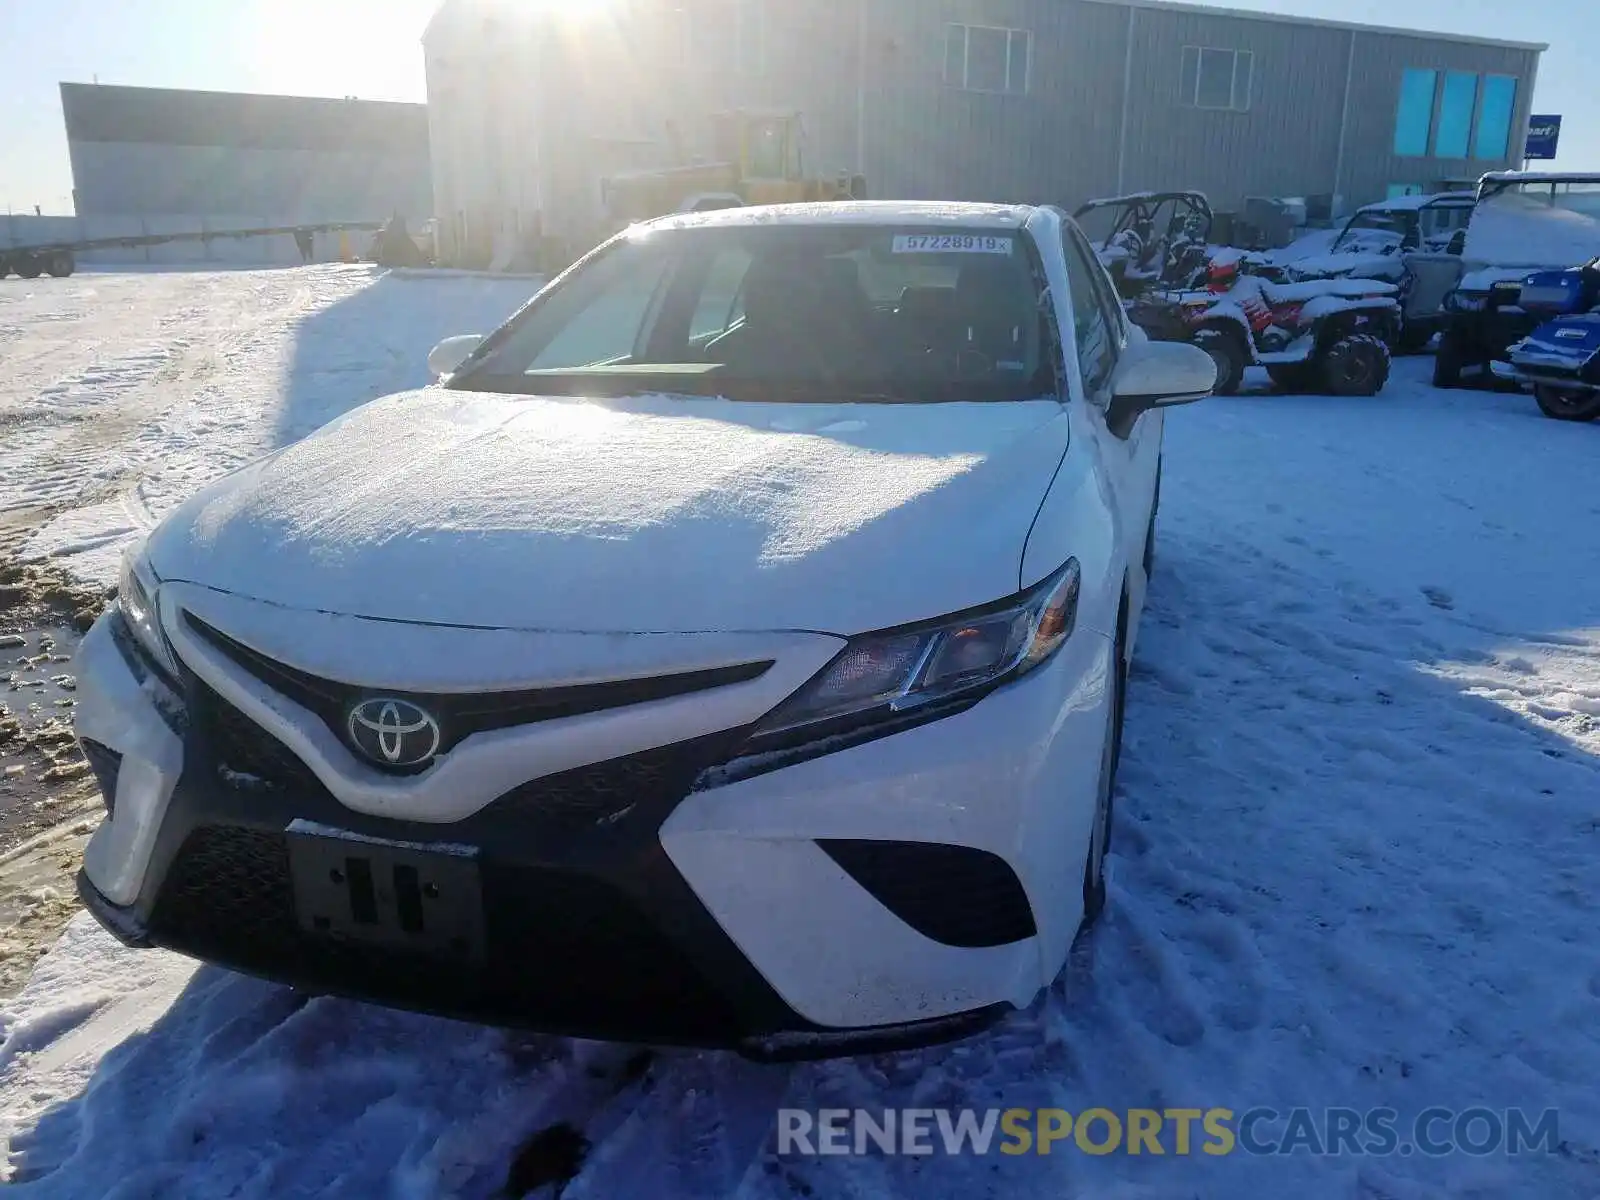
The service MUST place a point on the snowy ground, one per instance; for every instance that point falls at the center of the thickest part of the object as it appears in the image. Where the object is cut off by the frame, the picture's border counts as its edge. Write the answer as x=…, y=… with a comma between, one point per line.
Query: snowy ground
x=1360, y=819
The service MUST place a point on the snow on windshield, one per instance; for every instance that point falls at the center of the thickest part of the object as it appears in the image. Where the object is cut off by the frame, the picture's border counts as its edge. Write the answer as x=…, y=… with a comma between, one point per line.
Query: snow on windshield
x=1519, y=227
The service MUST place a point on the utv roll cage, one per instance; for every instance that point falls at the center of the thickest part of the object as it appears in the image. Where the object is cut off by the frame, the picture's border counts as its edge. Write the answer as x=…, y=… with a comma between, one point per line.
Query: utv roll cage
x=1158, y=239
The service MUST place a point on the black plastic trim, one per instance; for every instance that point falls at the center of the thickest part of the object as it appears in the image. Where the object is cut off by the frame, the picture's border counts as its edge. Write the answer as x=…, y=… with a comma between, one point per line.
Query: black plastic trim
x=954, y=895
x=106, y=764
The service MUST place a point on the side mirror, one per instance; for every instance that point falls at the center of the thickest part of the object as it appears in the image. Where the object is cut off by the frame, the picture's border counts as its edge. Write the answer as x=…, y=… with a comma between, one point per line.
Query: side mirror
x=449, y=354
x=1158, y=375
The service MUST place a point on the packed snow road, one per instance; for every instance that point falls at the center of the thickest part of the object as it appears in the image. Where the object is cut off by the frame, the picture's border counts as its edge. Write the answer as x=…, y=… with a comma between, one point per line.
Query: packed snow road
x=1359, y=826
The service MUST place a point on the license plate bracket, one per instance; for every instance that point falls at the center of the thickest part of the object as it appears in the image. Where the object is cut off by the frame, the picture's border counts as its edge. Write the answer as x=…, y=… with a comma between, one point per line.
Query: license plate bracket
x=400, y=896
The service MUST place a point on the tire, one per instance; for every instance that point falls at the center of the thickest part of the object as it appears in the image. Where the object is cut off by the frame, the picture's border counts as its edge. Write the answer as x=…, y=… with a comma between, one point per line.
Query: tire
x=1293, y=377
x=1356, y=365
x=29, y=268
x=1447, y=360
x=1094, y=867
x=1228, y=352
x=5, y=266
x=1567, y=404
x=60, y=264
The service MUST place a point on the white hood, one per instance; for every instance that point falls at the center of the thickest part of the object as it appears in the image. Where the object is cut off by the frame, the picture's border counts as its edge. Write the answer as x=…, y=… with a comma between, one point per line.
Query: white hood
x=657, y=514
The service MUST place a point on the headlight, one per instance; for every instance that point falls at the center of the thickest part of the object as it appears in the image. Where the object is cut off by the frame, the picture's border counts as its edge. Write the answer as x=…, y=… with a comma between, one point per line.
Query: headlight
x=136, y=594
x=886, y=674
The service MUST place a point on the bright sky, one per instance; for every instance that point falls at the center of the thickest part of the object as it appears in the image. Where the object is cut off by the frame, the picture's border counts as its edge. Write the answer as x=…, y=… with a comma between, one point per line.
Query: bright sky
x=372, y=49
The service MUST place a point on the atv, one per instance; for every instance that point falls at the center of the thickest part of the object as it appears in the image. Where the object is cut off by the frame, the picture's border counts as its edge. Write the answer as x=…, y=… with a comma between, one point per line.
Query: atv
x=1414, y=242
x=1150, y=240
x=1561, y=358
x=1329, y=335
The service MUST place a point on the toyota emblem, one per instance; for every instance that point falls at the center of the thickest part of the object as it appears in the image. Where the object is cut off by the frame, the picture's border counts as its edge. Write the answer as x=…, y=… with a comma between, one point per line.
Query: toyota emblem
x=393, y=732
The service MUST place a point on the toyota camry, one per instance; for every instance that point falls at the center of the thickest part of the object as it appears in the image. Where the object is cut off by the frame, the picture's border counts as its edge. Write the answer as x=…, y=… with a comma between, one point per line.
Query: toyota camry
x=727, y=650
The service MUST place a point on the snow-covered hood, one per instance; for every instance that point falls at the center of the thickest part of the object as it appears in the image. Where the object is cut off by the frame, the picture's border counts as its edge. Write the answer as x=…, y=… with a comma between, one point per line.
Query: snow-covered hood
x=1354, y=262
x=657, y=514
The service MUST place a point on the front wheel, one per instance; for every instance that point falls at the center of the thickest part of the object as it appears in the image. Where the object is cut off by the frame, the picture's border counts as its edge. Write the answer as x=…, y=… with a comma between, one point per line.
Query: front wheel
x=1567, y=404
x=60, y=265
x=1357, y=365
x=1227, y=351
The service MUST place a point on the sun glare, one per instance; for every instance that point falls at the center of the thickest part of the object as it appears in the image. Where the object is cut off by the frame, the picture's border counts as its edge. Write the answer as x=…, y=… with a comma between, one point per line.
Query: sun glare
x=581, y=10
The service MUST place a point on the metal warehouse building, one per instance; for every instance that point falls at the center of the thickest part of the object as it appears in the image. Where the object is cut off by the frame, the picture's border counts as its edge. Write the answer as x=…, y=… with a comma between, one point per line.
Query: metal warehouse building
x=1021, y=100
x=153, y=152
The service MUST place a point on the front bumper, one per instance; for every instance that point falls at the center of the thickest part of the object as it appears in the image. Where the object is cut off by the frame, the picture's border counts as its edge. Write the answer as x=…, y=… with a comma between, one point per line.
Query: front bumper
x=1486, y=336
x=908, y=890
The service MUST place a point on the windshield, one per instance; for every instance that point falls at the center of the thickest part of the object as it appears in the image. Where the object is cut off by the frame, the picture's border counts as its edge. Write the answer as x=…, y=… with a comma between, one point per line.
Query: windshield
x=1375, y=230
x=1579, y=196
x=827, y=312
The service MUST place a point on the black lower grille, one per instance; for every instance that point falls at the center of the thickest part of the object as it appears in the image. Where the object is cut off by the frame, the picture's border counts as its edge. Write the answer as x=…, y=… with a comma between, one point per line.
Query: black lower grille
x=246, y=754
x=106, y=764
x=954, y=895
x=564, y=950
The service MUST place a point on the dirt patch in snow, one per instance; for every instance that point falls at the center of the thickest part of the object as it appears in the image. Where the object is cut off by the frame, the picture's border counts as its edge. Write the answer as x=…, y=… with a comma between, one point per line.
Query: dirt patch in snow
x=49, y=802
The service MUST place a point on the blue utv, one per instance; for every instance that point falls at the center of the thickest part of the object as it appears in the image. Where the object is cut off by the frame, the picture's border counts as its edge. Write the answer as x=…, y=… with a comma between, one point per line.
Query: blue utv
x=1561, y=357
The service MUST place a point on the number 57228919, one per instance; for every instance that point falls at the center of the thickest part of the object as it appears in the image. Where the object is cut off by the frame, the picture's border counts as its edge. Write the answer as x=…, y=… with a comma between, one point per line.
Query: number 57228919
x=951, y=243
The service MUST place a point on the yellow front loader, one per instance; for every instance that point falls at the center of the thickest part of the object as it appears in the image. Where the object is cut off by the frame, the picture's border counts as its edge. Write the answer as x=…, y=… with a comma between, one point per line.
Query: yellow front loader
x=759, y=160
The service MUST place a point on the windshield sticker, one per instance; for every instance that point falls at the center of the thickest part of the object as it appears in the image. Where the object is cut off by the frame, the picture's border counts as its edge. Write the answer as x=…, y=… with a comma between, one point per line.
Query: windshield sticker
x=951, y=243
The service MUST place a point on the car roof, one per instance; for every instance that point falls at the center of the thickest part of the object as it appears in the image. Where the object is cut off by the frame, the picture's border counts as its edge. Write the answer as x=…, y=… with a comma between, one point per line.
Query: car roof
x=857, y=212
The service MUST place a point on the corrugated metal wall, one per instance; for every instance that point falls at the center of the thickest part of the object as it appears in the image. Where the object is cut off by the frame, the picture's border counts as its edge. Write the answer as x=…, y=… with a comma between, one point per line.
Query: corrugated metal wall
x=1287, y=141
x=119, y=179
x=1057, y=144
x=1370, y=162
x=1102, y=113
x=165, y=152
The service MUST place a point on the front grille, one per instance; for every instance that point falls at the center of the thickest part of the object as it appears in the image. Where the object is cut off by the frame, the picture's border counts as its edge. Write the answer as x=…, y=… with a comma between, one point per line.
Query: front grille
x=244, y=753
x=106, y=764
x=460, y=715
x=954, y=895
x=592, y=796
x=602, y=793
x=565, y=951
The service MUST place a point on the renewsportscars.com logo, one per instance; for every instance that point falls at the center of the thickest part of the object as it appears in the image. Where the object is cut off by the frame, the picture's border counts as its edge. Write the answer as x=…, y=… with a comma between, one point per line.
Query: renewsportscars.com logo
x=1215, y=1132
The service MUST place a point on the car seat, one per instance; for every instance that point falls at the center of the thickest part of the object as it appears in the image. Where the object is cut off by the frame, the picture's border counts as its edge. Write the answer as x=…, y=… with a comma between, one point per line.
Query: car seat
x=989, y=305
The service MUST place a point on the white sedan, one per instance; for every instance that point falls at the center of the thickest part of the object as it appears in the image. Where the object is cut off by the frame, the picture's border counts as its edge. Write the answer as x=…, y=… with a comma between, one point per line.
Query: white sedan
x=727, y=650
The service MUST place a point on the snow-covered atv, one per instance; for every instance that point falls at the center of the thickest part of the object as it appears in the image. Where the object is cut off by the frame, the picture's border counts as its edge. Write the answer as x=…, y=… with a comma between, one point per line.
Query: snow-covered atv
x=1561, y=358
x=1323, y=335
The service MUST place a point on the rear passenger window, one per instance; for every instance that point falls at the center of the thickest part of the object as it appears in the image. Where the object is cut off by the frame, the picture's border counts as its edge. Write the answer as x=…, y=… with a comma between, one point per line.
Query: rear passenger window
x=1096, y=339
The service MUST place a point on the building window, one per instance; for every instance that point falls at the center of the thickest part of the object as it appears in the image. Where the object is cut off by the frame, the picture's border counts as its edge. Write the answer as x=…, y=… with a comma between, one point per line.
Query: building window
x=979, y=58
x=1456, y=107
x=1494, y=122
x=1396, y=190
x=1216, y=78
x=750, y=32
x=1413, y=122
